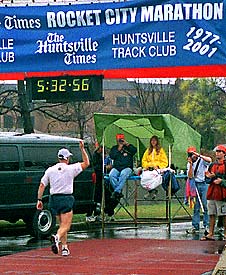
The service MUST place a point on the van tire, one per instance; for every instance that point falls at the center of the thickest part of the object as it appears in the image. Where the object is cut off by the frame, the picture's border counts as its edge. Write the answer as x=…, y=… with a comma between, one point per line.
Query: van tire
x=44, y=224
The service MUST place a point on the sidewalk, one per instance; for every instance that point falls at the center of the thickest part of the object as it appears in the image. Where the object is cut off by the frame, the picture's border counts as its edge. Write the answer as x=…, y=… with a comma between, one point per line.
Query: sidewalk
x=220, y=268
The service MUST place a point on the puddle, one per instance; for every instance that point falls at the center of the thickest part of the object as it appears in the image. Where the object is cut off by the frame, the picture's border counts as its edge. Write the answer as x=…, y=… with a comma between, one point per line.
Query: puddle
x=17, y=243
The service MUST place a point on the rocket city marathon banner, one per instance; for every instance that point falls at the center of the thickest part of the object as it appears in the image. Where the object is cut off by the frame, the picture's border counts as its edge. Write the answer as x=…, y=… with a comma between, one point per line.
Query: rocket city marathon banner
x=130, y=39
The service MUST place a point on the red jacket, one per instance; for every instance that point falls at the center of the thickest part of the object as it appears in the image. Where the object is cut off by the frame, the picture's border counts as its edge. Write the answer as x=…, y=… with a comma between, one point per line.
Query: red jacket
x=217, y=191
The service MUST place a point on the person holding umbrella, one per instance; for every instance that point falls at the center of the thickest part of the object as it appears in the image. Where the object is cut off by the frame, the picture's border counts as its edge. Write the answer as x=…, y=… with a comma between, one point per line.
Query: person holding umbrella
x=196, y=167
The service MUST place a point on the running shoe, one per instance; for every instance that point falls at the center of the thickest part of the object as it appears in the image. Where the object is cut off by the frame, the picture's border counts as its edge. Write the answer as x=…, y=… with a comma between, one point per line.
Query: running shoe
x=65, y=252
x=55, y=244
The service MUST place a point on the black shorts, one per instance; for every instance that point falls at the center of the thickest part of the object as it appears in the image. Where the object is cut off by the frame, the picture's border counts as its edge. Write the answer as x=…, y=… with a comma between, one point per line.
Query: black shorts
x=61, y=203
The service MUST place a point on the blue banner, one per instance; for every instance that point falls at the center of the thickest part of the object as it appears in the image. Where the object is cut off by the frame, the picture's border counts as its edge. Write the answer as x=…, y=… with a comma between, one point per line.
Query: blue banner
x=135, y=34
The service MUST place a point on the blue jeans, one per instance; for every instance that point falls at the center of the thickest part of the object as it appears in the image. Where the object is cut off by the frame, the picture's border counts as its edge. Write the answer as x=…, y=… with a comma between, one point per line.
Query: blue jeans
x=202, y=189
x=118, y=179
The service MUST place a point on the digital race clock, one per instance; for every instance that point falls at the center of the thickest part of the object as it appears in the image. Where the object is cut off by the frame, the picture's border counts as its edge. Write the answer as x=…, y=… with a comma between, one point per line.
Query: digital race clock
x=66, y=88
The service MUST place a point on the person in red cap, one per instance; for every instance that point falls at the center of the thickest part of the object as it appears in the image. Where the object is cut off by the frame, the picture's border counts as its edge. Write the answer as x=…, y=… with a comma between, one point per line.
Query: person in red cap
x=196, y=167
x=216, y=194
x=220, y=148
x=122, y=156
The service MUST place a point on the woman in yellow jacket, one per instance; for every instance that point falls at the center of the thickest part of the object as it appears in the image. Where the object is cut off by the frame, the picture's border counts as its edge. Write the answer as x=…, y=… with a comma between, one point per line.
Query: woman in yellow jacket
x=154, y=158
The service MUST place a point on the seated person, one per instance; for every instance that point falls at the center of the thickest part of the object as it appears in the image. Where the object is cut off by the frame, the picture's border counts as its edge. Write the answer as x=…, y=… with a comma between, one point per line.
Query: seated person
x=107, y=162
x=154, y=158
x=122, y=156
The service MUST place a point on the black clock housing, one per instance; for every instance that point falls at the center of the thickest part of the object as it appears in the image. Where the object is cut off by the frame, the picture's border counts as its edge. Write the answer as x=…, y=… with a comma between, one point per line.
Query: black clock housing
x=66, y=88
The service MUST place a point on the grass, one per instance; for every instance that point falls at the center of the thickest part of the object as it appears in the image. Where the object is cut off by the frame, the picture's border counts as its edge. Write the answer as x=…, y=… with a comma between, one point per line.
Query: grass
x=157, y=210
x=4, y=224
x=154, y=210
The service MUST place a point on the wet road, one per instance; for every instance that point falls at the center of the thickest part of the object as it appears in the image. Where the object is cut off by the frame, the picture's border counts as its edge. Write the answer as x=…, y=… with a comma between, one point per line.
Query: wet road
x=18, y=240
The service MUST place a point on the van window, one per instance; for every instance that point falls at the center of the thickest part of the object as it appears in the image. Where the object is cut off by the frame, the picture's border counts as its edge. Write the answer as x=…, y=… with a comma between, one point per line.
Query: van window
x=77, y=155
x=38, y=157
x=9, y=160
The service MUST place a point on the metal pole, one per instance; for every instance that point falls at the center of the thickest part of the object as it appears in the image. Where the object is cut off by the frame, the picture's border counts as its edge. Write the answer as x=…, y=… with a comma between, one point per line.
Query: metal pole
x=135, y=201
x=103, y=189
x=138, y=149
x=169, y=193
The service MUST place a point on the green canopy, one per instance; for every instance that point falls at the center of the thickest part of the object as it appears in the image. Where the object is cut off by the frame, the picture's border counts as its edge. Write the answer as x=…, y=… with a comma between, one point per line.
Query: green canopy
x=138, y=130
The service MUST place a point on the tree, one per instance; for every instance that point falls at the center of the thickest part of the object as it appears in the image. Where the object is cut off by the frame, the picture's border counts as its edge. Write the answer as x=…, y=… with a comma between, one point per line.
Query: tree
x=204, y=108
x=14, y=102
x=156, y=98
x=24, y=109
x=79, y=113
x=199, y=102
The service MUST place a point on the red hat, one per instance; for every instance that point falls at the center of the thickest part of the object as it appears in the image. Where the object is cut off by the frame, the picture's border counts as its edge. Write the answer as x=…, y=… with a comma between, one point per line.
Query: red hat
x=96, y=144
x=220, y=147
x=118, y=136
x=191, y=149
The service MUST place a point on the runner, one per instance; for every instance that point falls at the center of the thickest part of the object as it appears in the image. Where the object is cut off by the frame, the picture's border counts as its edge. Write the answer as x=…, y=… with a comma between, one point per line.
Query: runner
x=60, y=177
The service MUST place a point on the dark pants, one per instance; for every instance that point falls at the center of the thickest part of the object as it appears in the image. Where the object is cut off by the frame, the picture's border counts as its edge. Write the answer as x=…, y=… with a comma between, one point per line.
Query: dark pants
x=220, y=222
x=110, y=203
x=98, y=187
x=98, y=191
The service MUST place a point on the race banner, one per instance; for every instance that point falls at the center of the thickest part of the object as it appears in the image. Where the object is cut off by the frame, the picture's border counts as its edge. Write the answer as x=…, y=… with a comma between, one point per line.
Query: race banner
x=134, y=36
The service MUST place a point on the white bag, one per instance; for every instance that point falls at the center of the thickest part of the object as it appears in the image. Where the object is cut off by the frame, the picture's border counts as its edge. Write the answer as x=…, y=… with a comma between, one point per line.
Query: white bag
x=150, y=179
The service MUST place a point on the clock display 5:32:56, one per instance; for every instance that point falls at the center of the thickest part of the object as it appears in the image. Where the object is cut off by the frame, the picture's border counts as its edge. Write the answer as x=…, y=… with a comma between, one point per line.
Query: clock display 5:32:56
x=63, y=85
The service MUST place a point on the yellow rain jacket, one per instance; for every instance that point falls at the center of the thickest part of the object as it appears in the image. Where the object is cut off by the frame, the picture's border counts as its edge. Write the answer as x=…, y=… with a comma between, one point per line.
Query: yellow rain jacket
x=154, y=159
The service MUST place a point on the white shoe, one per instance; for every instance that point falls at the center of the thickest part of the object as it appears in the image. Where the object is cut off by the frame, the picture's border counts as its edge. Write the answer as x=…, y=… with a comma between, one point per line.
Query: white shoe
x=192, y=231
x=65, y=252
x=55, y=244
x=90, y=219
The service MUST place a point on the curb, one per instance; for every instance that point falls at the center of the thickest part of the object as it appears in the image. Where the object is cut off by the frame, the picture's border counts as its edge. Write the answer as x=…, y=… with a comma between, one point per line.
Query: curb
x=220, y=268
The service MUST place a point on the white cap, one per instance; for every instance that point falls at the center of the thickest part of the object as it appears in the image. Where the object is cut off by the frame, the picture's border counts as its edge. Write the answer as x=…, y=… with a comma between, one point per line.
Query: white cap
x=64, y=154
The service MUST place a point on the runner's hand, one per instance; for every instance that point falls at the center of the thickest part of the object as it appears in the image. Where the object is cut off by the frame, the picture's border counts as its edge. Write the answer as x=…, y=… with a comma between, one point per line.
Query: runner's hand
x=39, y=205
x=81, y=144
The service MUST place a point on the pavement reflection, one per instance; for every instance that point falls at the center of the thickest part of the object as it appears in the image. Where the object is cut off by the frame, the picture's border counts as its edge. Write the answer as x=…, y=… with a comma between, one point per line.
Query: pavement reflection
x=19, y=240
